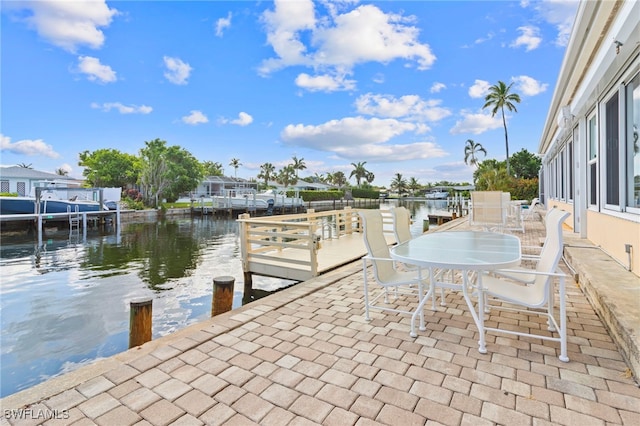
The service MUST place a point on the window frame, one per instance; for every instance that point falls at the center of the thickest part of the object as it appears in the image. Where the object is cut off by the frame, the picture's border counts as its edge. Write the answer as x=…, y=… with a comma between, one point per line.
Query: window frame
x=592, y=161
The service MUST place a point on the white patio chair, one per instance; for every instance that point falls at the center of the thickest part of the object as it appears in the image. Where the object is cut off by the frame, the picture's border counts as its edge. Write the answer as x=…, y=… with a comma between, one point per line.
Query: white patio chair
x=401, y=224
x=530, y=292
x=391, y=281
x=402, y=232
x=528, y=213
x=488, y=210
x=513, y=212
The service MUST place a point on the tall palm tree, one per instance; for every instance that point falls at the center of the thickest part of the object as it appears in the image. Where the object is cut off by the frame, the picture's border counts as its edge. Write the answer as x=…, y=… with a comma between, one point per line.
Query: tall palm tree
x=26, y=166
x=413, y=185
x=359, y=171
x=338, y=178
x=471, y=149
x=267, y=171
x=499, y=98
x=298, y=164
x=235, y=163
x=287, y=176
x=399, y=184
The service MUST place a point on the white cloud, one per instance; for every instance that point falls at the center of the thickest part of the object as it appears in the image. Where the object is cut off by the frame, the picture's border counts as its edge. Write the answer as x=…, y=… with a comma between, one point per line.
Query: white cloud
x=66, y=24
x=391, y=153
x=475, y=123
x=560, y=13
x=28, y=147
x=409, y=106
x=122, y=109
x=437, y=87
x=177, y=71
x=367, y=34
x=349, y=131
x=341, y=41
x=325, y=83
x=67, y=168
x=243, y=119
x=222, y=24
x=284, y=25
x=194, y=118
x=95, y=71
x=528, y=86
x=479, y=89
x=530, y=38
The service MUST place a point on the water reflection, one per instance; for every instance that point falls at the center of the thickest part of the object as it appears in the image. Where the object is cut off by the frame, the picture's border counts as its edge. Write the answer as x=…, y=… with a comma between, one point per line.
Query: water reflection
x=66, y=302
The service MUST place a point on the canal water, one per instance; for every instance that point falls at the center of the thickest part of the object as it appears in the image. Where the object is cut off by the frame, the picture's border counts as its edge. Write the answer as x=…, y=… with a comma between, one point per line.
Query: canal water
x=65, y=303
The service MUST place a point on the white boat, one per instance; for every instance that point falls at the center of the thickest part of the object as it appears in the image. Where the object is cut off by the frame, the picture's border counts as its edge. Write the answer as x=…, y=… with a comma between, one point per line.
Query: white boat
x=437, y=195
x=53, y=197
x=280, y=198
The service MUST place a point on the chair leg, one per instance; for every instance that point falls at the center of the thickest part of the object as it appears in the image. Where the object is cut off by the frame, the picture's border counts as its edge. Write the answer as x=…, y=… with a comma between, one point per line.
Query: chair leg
x=563, y=323
x=366, y=292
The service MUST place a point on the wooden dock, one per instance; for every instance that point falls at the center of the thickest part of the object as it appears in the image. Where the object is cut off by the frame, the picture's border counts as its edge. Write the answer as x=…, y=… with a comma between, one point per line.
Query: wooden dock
x=299, y=247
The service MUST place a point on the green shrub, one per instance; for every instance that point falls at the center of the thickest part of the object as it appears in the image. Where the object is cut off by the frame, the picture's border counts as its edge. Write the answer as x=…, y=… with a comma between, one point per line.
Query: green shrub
x=365, y=193
x=318, y=195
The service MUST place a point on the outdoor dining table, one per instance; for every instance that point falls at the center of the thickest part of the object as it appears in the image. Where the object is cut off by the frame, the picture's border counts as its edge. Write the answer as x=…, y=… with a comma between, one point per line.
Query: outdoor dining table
x=466, y=251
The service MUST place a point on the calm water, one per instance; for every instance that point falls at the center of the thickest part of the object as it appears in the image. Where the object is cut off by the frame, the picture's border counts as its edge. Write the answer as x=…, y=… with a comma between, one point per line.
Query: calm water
x=66, y=303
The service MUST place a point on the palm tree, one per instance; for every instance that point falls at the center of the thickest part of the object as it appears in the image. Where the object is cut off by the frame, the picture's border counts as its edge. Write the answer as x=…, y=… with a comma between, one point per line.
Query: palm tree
x=62, y=172
x=287, y=176
x=471, y=150
x=399, y=184
x=370, y=177
x=235, y=163
x=298, y=164
x=267, y=170
x=338, y=178
x=413, y=185
x=26, y=166
x=499, y=98
x=359, y=171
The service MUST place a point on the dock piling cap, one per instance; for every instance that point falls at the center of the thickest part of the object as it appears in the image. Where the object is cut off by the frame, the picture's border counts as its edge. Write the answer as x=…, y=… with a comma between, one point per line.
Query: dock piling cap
x=224, y=280
x=141, y=301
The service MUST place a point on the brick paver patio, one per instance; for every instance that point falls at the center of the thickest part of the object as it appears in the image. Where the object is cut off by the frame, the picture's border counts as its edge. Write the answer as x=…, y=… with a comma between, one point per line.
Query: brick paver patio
x=306, y=356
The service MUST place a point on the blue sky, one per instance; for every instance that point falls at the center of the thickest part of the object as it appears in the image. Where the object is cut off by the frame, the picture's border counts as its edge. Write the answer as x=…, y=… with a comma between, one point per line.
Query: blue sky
x=399, y=85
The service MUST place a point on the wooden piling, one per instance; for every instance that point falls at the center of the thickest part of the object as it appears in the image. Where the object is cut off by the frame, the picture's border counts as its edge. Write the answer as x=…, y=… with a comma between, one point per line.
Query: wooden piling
x=140, y=320
x=425, y=225
x=222, y=300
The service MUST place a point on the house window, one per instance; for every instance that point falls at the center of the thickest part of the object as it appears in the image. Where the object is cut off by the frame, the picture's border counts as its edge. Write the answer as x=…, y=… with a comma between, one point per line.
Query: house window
x=570, y=164
x=592, y=136
x=561, y=184
x=22, y=189
x=4, y=186
x=612, y=149
x=633, y=142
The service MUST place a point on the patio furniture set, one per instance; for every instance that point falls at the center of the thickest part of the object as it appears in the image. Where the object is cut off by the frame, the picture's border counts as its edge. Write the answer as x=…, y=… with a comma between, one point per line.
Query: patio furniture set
x=485, y=263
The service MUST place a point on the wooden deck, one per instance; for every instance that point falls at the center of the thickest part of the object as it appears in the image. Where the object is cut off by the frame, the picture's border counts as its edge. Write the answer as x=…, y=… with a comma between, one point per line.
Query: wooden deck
x=299, y=247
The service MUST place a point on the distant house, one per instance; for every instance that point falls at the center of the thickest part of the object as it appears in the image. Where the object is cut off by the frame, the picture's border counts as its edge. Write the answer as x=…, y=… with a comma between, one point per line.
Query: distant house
x=16, y=179
x=590, y=146
x=219, y=185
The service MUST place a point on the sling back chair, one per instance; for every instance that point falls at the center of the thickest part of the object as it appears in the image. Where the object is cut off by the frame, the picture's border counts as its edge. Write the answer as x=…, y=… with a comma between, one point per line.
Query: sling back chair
x=391, y=282
x=530, y=292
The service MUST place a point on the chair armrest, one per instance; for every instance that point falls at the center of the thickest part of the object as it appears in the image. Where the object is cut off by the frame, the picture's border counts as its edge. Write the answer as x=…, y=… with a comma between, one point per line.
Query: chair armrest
x=531, y=272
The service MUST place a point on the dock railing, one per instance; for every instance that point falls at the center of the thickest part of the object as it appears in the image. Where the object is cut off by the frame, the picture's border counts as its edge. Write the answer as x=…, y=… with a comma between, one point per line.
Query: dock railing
x=300, y=246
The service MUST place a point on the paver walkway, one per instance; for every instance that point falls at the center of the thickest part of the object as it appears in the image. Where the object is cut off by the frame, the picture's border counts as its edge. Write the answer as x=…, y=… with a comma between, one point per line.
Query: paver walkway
x=306, y=356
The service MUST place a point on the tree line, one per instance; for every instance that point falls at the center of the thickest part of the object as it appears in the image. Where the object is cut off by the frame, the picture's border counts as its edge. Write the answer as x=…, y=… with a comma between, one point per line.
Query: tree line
x=161, y=171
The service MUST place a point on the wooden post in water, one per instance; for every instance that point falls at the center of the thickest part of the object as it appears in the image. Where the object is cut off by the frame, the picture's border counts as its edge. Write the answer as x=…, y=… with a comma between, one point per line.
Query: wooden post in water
x=425, y=225
x=140, y=319
x=222, y=300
